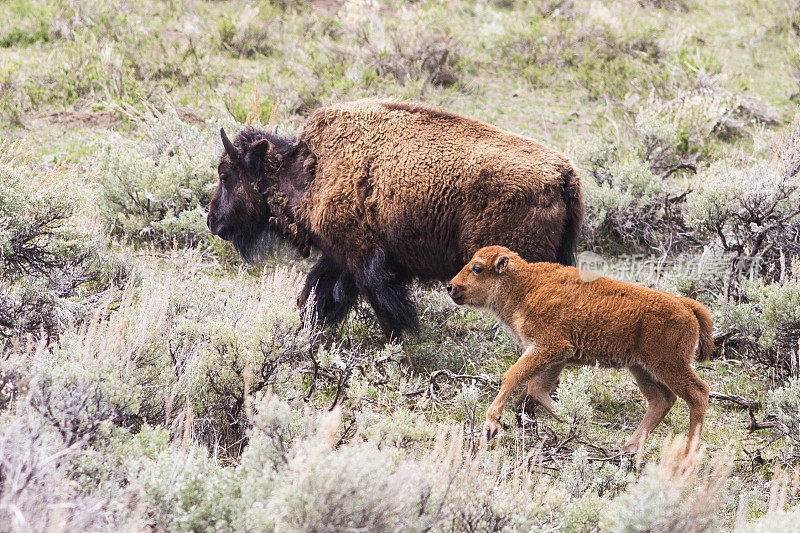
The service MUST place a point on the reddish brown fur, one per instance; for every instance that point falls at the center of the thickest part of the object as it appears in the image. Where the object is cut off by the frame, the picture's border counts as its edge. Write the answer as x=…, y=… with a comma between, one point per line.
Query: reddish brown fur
x=395, y=172
x=391, y=191
x=560, y=319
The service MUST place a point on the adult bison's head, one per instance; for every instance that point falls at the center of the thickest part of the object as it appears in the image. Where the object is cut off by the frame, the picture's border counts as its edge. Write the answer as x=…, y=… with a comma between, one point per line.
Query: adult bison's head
x=240, y=209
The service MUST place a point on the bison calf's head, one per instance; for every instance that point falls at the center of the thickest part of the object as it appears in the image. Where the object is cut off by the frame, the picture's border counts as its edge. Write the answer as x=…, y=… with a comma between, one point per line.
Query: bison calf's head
x=479, y=279
x=239, y=211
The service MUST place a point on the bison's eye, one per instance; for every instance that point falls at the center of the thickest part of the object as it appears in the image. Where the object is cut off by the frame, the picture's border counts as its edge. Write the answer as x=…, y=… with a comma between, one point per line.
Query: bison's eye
x=223, y=177
x=477, y=269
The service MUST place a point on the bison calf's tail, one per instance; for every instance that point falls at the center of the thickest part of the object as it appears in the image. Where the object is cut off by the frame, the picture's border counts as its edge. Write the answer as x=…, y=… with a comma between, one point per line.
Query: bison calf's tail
x=573, y=201
x=705, y=345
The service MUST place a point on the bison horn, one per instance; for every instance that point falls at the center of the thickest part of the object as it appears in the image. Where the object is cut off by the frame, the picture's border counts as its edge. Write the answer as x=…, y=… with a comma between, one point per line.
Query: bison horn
x=230, y=149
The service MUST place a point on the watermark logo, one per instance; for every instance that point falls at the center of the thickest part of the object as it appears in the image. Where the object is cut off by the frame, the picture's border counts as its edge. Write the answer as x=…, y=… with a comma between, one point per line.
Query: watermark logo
x=640, y=268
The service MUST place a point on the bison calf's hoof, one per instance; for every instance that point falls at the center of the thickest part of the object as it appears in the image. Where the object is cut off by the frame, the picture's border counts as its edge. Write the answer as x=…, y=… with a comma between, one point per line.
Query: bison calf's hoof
x=491, y=429
x=630, y=448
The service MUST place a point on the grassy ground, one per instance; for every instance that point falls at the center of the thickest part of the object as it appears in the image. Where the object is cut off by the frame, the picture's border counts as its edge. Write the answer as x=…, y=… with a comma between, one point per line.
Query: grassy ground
x=151, y=381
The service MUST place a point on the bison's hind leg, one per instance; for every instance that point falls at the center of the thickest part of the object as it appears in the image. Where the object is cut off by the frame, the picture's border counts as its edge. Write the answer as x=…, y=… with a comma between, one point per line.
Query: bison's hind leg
x=393, y=309
x=334, y=290
x=389, y=297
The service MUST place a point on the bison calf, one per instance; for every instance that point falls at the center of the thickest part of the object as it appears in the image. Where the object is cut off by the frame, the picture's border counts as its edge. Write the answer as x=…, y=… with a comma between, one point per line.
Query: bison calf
x=561, y=316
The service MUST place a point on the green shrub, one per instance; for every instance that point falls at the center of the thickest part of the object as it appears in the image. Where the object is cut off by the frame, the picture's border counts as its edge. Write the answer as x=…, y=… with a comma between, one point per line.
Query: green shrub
x=577, y=475
x=50, y=426
x=769, y=317
x=582, y=44
x=12, y=98
x=186, y=490
x=156, y=189
x=361, y=53
x=51, y=252
x=638, y=196
x=584, y=514
x=624, y=205
x=750, y=208
x=784, y=403
x=401, y=47
x=350, y=488
x=250, y=34
x=674, y=495
x=402, y=429
x=574, y=395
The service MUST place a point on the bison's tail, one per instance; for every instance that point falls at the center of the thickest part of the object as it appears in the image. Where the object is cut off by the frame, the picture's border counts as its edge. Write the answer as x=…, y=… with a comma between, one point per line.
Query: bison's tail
x=705, y=345
x=573, y=200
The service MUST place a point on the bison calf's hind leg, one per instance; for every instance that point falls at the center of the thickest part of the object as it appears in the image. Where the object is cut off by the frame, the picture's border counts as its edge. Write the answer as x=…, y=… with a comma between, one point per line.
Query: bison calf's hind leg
x=334, y=291
x=685, y=382
x=660, y=400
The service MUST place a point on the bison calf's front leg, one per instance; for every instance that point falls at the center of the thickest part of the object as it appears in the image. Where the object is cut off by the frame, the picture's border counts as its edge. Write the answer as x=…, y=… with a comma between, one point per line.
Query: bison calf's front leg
x=534, y=361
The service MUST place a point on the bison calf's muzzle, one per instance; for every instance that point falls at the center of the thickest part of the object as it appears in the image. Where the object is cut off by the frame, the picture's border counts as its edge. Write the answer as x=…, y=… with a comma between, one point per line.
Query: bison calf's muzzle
x=559, y=319
x=455, y=293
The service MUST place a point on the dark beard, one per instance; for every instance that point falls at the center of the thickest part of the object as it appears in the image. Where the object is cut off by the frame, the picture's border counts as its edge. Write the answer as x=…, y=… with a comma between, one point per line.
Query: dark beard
x=254, y=247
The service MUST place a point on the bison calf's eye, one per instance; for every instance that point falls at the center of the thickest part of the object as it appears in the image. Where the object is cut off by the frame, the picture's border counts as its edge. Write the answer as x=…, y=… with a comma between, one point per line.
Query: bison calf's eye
x=223, y=177
x=477, y=269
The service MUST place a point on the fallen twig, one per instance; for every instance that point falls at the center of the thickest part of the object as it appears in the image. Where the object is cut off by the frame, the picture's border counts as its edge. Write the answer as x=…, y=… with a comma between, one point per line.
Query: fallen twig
x=770, y=421
x=741, y=401
x=483, y=378
x=721, y=337
x=683, y=165
x=616, y=458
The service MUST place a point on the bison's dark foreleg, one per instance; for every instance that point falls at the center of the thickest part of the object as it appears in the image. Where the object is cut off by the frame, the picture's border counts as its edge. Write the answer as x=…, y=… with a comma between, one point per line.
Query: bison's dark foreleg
x=389, y=298
x=334, y=291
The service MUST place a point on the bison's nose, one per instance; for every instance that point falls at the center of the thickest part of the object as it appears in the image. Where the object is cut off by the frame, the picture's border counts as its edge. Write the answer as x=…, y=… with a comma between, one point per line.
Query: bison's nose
x=211, y=222
x=449, y=288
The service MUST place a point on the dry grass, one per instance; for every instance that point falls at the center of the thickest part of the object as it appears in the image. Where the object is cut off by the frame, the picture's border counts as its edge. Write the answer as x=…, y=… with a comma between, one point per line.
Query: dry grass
x=179, y=390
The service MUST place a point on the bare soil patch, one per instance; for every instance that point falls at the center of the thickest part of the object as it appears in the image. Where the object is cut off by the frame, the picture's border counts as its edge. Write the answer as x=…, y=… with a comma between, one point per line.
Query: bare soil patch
x=82, y=119
x=189, y=116
x=329, y=6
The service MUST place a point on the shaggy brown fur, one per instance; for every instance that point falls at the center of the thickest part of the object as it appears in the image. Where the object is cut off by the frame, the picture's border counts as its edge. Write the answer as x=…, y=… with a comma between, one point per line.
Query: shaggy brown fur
x=391, y=191
x=559, y=319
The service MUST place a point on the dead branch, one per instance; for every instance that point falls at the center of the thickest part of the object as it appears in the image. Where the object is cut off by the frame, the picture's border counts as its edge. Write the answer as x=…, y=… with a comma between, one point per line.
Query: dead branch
x=680, y=166
x=741, y=401
x=770, y=421
x=720, y=337
x=483, y=378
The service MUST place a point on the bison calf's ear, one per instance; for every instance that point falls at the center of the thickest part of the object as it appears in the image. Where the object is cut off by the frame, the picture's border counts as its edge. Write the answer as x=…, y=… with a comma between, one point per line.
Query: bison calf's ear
x=259, y=152
x=500, y=264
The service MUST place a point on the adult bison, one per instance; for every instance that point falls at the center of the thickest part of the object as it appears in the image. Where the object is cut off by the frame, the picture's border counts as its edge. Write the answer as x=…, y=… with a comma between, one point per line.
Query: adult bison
x=391, y=191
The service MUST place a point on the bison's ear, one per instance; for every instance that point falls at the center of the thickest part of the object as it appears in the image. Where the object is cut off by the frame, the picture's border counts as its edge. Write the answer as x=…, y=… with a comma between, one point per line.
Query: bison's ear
x=500, y=264
x=260, y=152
